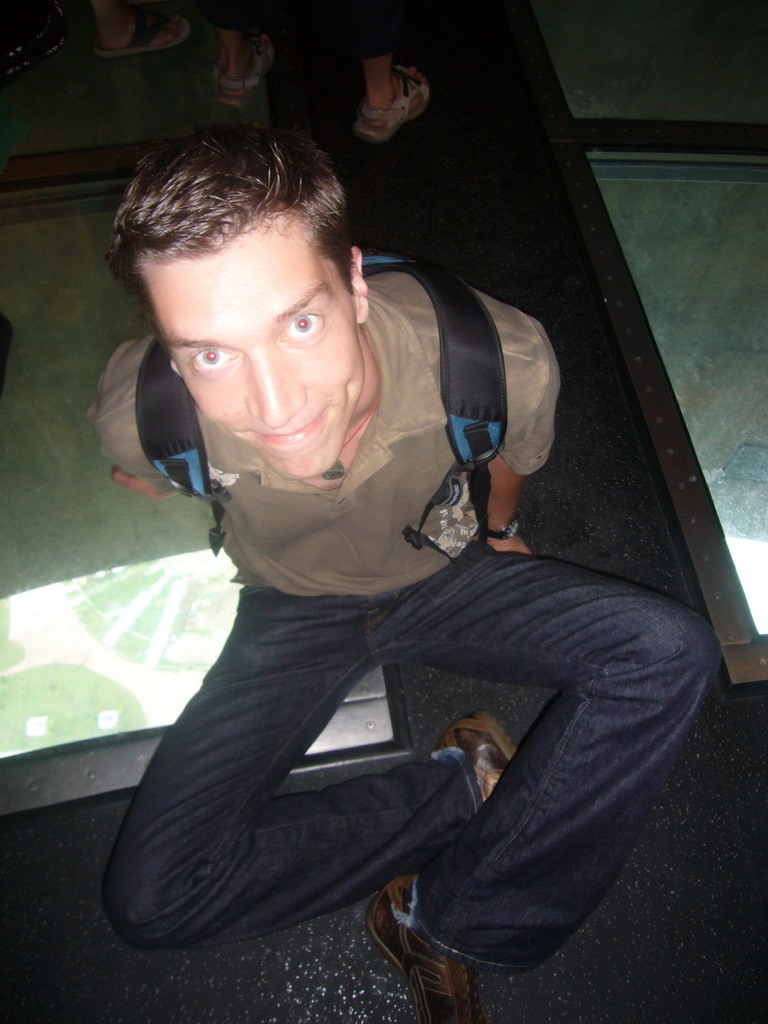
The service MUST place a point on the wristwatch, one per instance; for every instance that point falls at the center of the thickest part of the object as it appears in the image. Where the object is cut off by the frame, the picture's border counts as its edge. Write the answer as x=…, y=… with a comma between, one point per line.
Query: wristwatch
x=506, y=533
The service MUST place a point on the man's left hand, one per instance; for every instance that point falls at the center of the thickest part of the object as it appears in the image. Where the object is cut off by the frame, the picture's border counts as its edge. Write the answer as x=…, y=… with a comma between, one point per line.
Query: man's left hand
x=515, y=543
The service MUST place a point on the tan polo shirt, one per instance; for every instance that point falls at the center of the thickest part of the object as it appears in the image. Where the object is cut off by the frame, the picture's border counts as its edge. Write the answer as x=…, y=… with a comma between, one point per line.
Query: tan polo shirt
x=349, y=541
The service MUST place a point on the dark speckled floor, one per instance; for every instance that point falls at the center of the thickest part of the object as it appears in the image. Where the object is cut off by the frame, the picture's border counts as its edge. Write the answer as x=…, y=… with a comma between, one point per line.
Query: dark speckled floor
x=682, y=937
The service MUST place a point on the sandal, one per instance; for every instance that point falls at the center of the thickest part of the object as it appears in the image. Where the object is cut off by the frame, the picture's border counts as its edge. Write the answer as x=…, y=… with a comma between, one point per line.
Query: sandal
x=379, y=125
x=144, y=32
x=234, y=91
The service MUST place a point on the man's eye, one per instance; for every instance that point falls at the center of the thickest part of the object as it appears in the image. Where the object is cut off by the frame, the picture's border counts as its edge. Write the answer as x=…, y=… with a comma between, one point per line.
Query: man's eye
x=303, y=325
x=209, y=357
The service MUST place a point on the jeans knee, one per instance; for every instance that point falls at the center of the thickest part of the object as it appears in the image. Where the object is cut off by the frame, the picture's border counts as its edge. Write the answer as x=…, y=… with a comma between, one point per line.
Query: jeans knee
x=693, y=645
x=128, y=911
x=672, y=649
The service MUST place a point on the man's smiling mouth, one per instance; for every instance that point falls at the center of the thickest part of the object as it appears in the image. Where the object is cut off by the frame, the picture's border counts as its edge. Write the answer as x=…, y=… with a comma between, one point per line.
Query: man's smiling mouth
x=286, y=440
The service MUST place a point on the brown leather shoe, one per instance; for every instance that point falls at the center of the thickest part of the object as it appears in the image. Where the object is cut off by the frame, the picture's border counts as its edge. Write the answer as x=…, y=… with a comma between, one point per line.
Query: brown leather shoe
x=485, y=743
x=443, y=991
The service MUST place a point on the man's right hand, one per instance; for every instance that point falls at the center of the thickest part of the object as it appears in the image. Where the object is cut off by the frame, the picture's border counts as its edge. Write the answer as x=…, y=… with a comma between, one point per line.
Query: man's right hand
x=135, y=483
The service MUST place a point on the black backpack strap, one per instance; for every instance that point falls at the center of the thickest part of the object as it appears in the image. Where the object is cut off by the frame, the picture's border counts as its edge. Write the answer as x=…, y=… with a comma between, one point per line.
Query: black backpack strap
x=472, y=379
x=170, y=434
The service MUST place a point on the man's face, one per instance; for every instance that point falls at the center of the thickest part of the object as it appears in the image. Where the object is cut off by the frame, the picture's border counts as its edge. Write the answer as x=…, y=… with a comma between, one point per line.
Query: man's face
x=269, y=342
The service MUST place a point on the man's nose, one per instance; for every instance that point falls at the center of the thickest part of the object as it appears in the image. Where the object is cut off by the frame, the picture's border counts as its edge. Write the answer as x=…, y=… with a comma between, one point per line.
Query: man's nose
x=275, y=395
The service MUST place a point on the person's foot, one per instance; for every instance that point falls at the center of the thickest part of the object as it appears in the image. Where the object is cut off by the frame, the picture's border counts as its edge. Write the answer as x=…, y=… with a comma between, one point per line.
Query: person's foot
x=381, y=114
x=240, y=69
x=443, y=991
x=138, y=31
x=486, y=745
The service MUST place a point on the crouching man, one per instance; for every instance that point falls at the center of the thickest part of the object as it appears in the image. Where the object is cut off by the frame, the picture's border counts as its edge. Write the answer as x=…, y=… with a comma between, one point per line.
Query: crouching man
x=318, y=399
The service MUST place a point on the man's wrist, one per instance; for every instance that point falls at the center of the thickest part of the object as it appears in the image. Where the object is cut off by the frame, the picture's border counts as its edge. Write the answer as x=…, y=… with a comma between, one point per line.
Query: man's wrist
x=506, y=532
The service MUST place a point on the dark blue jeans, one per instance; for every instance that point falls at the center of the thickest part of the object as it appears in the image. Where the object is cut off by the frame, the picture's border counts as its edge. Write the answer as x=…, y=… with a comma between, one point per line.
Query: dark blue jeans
x=208, y=854
x=361, y=28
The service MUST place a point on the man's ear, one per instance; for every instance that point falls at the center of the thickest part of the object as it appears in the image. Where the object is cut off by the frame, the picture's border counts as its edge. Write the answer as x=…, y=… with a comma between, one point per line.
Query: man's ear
x=359, y=285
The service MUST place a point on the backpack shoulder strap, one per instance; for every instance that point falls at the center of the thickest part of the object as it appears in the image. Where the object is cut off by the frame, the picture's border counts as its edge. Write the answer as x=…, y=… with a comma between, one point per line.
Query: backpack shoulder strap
x=170, y=434
x=168, y=426
x=472, y=378
x=472, y=385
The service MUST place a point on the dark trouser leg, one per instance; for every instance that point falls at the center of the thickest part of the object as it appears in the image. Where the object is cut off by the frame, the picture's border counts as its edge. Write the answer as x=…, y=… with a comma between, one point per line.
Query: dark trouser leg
x=207, y=855
x=236, y=15
x=361, y=28
x=631, y=668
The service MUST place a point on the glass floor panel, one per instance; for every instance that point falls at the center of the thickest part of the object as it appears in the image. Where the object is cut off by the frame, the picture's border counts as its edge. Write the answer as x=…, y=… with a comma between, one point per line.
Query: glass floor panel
x=59, y=509
x=120, y=649
x=695, y=237
x=72, y=626
x=125, y=648
x=76, y=100
x=110, y=613
x=693, y=60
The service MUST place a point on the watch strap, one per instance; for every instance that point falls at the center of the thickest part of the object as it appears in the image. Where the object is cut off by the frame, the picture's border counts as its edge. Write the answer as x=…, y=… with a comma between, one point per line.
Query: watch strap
x=506, y=533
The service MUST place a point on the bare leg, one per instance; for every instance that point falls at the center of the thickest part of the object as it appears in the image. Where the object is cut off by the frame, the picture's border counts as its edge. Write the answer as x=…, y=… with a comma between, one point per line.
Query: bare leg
x=243, y=59
x=235, y=52
x=380, y=86
x=391, y=98
x=115, y=22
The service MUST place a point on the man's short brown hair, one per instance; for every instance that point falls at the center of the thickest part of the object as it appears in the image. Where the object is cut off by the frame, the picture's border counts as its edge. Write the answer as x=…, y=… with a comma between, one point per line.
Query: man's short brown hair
x=192, y=196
